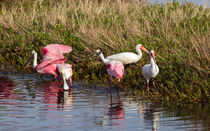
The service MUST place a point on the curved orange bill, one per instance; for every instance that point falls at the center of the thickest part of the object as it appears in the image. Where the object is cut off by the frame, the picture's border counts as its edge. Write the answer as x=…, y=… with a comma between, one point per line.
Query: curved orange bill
x=144, y=49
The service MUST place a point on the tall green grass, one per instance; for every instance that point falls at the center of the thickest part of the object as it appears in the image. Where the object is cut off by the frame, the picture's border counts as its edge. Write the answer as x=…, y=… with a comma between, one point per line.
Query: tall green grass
x=179, y=34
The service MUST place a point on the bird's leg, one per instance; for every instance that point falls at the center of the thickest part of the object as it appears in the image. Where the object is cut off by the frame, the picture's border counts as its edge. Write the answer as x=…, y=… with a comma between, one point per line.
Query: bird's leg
x=118, y=83
x=110, y=81
x=70, y=91
x=55, y=76
x=70, y=80
x=154, y=83
x=148, y=86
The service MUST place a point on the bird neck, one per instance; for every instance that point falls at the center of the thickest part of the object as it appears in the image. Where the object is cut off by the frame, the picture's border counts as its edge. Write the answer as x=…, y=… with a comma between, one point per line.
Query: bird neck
x=65, y=85
x=139, y=52
x=152, y=61
x=35, y=60
x=105, y=61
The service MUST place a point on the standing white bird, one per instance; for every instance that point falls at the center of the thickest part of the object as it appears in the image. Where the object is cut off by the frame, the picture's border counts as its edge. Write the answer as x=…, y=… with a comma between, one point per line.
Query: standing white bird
x=65, y=71
x=150, y=70
x=128, y=57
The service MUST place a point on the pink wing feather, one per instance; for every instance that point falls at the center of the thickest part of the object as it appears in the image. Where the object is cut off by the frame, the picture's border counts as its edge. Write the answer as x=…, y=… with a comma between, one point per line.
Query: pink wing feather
x=116, y=69
x=55, y=51
x=45, y=63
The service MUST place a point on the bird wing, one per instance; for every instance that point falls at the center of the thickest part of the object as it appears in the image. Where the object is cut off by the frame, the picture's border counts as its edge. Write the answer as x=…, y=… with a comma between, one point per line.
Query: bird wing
x=55, y=51
x=146, y=71
x=125, y=57
x=47, y=62
x=118, y=69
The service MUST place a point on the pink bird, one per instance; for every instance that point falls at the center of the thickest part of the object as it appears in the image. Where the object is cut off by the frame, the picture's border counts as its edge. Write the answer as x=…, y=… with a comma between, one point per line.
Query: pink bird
x=115, y=69
x=55, y=51
x=65, y=71
x=53, y=55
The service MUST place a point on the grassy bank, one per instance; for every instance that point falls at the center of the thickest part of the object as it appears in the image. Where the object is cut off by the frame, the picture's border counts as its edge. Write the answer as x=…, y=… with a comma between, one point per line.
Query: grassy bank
x=179, y=34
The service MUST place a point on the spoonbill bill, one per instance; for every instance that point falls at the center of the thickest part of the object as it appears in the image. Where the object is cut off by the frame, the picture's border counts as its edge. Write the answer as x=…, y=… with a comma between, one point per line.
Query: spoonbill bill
x=129, y=57
x=114, y=68
x=65, y=71
x=53, y=54
x=151, y=70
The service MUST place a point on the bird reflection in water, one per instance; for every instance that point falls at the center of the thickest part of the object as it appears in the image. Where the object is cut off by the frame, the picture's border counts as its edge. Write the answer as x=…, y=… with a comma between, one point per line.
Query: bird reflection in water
x=56, y=98
x=116, y=111
x=151, y=116
x=6, y=88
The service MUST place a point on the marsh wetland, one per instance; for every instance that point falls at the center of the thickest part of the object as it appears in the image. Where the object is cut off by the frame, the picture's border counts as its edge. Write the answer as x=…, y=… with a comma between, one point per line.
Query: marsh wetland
x=178, y=32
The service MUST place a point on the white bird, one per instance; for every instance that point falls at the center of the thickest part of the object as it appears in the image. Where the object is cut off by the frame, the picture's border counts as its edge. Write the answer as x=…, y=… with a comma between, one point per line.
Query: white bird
x=65, y=71
x=150, y=70
x=129, y=57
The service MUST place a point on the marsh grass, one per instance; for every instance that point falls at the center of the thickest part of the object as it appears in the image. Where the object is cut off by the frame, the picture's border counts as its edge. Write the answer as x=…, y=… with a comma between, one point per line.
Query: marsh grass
x=179, y=34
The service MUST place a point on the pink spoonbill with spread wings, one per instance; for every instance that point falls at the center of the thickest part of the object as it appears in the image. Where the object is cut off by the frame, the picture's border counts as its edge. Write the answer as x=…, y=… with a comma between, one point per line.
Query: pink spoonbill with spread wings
x=150, y=70
x=128, y=57
x=114, y=68
x=52, y=55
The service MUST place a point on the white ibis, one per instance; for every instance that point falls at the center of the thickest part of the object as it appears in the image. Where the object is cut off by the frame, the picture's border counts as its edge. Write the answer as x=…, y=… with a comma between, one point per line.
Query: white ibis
x=129, y=57
x=151, y=70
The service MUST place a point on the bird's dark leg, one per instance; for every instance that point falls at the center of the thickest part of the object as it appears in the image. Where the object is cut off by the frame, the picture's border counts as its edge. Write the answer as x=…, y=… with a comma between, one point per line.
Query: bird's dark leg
x=148, y=86
x=110, y=82
x=118, y=83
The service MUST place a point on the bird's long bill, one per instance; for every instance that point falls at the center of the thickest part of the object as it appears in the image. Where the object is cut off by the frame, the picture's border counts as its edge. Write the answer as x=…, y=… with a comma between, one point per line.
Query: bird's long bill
x=144, y=49
x=27, y=63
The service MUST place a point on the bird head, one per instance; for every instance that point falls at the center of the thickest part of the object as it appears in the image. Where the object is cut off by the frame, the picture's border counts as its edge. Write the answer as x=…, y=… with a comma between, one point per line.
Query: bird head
x=141, y=47
x=152, y=54
x=98, y=52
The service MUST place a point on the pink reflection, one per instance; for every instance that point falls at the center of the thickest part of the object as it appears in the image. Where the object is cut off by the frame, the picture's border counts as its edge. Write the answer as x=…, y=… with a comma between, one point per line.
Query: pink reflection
x=6, y=88
x=55, y=97
x=116, y=111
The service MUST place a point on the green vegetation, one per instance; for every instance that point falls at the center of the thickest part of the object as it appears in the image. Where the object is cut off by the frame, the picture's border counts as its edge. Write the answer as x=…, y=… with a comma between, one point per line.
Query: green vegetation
x=179, y=34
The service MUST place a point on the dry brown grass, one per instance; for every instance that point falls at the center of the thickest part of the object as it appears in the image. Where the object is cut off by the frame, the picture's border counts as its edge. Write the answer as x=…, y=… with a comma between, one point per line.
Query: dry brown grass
x=112, y=24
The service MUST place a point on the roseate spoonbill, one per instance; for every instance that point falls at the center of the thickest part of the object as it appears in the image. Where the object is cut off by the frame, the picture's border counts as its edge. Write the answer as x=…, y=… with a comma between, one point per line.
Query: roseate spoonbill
x=53, y=54
x=150, y=70
x=46, y=66
x=66, y=72
x=128, y=57
x=55, y=51
x=114, y=68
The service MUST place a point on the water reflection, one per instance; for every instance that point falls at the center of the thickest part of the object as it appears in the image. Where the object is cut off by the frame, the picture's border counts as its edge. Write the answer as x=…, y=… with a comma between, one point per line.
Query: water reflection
x=116, y=111
x=55, y=97
x=151, y=116
x=30, y=102
x=6, y=88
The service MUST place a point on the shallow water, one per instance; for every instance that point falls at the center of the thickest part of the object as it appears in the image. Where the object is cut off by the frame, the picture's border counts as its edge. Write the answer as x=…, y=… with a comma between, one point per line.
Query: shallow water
x=35, y=102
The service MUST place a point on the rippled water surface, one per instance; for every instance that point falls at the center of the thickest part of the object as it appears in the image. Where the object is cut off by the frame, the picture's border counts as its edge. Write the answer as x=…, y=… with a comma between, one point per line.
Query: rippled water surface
x=34, y=102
